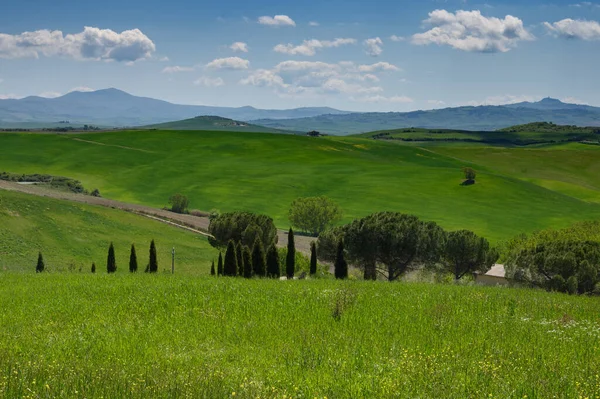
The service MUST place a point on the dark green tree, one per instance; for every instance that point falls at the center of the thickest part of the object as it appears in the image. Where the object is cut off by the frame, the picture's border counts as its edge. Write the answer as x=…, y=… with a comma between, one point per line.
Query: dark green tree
x=93, y=267
x=467, y=253
x=220, y=265
x=179, y=203
x=153, y=258
x=314, y=214
x=247, y=258
x=340, y=265
x=212, y=268
x=40, y=263
x=241, y=226
x=111, y=262
x=259, y=263
x=470, y=174
x=290, y=258
x=273, y=263
x=239, y=249
x=313, y=258
x=133, y=265
x=230, y=267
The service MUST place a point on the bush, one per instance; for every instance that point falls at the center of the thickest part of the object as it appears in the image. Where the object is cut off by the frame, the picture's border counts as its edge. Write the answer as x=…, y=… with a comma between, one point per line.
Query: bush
x=314, y=214
x=179, y=203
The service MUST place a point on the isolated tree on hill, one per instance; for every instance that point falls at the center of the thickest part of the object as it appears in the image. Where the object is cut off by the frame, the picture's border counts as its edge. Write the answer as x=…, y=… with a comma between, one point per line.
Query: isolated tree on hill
x=273, y=264
x=111, y=262
x=247, y=258
x=93, y=267
x=466, y=253
x=240, y=258
x=341, y=266
x=179, y=203
x=259, y=263
x=290, y=258
x=133, y=265
x=212, y=268
x=470, y=174
x=153, y=258
x=313, y=258
x=241, y=226
x=230, y=267
x=220, y=265
x=40, y=263
x=314, y=214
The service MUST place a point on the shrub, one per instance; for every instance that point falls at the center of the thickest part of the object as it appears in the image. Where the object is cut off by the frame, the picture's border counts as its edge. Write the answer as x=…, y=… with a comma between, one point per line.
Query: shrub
x=179, y=203
x=153, y=262
x=133, y=265
x=111, y=262
x=39, y=267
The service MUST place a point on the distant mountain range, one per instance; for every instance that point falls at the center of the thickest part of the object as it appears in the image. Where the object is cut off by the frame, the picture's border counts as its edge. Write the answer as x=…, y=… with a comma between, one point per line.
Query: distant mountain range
x=112, y=107
x=115, y=108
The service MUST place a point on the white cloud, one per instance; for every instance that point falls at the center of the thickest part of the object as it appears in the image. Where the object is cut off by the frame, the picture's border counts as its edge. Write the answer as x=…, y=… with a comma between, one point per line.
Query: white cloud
x=239, y=46
x=381, y=66
x=177, y=69
x=81, y=88
x=8, y=96
x=575, y=29
x=336, y=85
x=471, y=31
x=91, y=44
x=373, y=46
x=277, y=20
x=164, y=59
x=50, y=94
x=209, y=82
x=395, y=38
x=263, y=78
x=228, y=63
x=309, y=47
x=313, y=23
x=504, y=99
x=383, y=99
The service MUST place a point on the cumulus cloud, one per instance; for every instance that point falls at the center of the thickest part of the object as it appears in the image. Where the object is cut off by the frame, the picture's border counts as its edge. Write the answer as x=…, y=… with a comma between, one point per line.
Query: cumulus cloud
x=395, y=38
x=209, y=82
x=336, y=85
x=575, y=29
x=277, y=20
x=373, y=46
x=313, y=23
x=91, y=44
x=263, y=78
x=177, y=69
x=379, y=66
x=471, y=31
x=228, y=63
x=239, y=46
x=310, y=47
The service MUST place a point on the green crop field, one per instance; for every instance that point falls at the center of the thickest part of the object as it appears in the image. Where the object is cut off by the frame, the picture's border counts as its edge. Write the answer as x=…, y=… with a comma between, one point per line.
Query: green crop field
x=72, y=236
x=140, y=336
x=266, y=172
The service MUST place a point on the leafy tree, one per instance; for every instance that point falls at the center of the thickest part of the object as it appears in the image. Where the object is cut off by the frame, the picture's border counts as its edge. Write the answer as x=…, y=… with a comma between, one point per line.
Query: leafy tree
x=273, y=265
x=93, y=267
x=341, y=266
x=179, y=203
x=290, y=259
x=241, y=226
x=133, y=265
x=259, y=263
x=111, y=263
x=230, y=267
x=466, y=253
x=153, y=258
x=313, y=258
x=220, y=265
x=314, y=214
x=387, y=243
x=39, y=267
x=470, y=174
x=247, y=258
x=212, y=268
x=240, y=258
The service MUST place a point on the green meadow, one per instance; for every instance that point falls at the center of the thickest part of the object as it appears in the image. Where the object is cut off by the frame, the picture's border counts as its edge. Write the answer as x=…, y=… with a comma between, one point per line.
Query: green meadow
x=266, y=172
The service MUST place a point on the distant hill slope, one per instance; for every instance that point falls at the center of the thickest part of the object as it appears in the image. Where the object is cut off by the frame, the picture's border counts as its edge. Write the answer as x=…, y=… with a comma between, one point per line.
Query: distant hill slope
x=215, y=123
x=112, y=107
x=482, y=118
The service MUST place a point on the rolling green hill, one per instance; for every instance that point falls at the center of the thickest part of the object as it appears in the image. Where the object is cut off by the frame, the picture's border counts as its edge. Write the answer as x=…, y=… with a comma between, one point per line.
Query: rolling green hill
x=266, y=172
x=215, y=123
x=72, y=236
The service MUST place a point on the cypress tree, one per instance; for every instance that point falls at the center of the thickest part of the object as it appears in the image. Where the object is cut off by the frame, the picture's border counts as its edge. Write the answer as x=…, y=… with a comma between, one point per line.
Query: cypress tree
x=341, y=266
x=212, y=268
x=230, y=264
x=259, y=263
x=153, y=258
x=273, y=265
x=247, y=257
x=240, y=258
x=133, y=260
x=111, y=262
x=93, y=267
x=220, y=265
x=290, y=259
x=40, y=263
x=313, y=258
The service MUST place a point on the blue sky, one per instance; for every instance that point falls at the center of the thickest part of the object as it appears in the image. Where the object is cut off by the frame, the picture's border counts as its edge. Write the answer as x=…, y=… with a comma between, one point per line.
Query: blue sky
x=354, y=55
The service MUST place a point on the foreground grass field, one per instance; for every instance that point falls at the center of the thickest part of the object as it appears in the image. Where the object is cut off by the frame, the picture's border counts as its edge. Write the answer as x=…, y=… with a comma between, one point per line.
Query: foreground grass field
x=266, y=172
x=71, y=335
x=72, y=236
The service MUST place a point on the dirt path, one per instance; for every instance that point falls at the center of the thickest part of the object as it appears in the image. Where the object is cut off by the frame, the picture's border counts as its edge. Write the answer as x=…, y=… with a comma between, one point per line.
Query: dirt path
x=196, y=224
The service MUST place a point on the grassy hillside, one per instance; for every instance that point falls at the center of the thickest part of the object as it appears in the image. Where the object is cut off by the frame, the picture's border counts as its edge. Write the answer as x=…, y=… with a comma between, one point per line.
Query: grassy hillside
x=215, y=123
x=72, y=236
x=71, y=335
x=266, y=172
